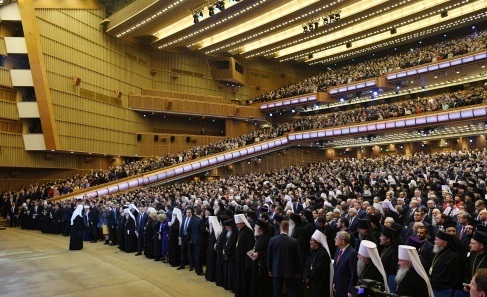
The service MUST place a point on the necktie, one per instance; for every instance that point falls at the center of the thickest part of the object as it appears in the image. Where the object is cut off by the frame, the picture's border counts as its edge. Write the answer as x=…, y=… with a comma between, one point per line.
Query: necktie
x=461, y=232
x=339, y=256
x=186, y=225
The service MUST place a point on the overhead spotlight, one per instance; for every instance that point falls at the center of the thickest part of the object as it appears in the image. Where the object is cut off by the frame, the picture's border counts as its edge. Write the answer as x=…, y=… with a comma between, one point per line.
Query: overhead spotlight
x=211, y=10
x=337, y=17
x=311, y=27
x=305, y=29
x=325, y=21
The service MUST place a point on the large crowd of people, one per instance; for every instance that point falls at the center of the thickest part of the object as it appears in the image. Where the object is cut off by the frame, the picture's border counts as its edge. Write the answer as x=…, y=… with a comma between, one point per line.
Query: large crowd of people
x=375, y=67
x=322, y=120
x=425, y=212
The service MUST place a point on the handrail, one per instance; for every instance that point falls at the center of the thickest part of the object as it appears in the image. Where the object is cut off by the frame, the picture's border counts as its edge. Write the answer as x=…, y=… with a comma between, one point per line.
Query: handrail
x=192, y=167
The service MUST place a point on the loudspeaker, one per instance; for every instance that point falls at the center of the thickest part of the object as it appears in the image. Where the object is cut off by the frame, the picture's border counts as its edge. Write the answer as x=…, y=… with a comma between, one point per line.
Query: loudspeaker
x=169, y=105
x=349, y=44
x=88, y=160
x=188, y=139
x=444, y=14
x=310, y=56
x=393, y=31
x=156, y=138
x=76, y=81
x=139, y=137
x=172, y=138
x=14, y=174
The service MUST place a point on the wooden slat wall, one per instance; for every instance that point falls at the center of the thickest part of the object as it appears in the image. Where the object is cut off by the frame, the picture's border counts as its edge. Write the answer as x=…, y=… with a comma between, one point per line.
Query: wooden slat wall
x=5, y=78
x=148, y=147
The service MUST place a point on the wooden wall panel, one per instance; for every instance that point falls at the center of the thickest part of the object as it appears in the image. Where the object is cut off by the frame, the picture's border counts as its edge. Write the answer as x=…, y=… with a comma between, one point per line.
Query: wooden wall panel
x=5, y=78
x=8, y=110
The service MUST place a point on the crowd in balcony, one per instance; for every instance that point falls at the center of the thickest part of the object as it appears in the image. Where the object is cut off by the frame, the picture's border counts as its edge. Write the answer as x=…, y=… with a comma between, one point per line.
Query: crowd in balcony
x=375, y=67
x=315, y=121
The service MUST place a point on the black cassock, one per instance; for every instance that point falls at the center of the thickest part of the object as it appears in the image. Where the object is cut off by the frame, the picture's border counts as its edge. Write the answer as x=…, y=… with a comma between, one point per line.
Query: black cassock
x=130, y=237
x=261, y=281
x=76, y=239
x=412, y=284
x=210, y=274
x=317, y=273
x=149, y=238
x=123, y=231
x=243, y=263
x=174, y=247
x=389, y=259
x=229, y=257
x=220, y=258
x=371, y=272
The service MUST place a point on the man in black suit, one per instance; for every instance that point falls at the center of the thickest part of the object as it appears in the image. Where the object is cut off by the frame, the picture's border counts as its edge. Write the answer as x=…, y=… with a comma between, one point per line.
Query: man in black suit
x=141, y=220
x=195, y=241
x=13, y=213
x=93, y=217
x=284, y=261
x=345, y=265
x=185, y=240
x=296, y=206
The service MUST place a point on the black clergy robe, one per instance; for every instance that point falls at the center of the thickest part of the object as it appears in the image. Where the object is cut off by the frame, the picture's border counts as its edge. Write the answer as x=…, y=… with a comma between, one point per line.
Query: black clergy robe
x=123, y=231
x=389, y=259
x=412, y=284
x=76, y=239
x=130, y=237
x=220, y=259
x=371, y=272
x=475, y=261
x=317, y=273
x=260, y=279
x=229, y=266
x=443, y=271
x=210, y=273
x=243, y=263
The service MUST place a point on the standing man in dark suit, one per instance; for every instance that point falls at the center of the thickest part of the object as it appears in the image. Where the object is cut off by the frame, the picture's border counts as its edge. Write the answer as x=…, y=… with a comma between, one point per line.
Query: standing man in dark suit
x=284, y=261
x=141, y=218
x=184, y=239
x=297, y=207
x=345, y=265
x=13, y=213
x=93, y=217
x=113, y=224
x=195, y=241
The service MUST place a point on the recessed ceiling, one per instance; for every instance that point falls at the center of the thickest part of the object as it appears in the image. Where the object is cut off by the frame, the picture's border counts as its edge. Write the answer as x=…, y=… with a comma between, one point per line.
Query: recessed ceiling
x=313, y=31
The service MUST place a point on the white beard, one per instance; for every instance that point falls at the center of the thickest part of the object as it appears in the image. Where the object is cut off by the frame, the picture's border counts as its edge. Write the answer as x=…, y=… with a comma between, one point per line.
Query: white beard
x=401, y=272
x=360, y=267
x=291, y=228
x=437, y=249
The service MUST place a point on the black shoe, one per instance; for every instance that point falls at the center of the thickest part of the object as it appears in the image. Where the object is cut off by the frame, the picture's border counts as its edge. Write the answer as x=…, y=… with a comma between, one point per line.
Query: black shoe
x=138, y=254
x=112, y=244
x=201, y=273
x=157, y=259
x=191, y=269
x=180, y=267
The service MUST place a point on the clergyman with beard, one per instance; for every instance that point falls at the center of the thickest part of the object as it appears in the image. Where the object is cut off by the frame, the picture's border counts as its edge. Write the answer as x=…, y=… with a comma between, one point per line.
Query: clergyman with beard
x=444, y=266
x=411, y=278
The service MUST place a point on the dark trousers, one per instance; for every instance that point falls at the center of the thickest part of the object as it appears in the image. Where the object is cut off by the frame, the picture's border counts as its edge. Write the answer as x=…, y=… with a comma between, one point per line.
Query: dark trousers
x=140, y=242
x=112, y=234
x=13, y=220
x=277, y=283
x=197, y=258
x=67, y=228
x=94, y=232
x=186, y=248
